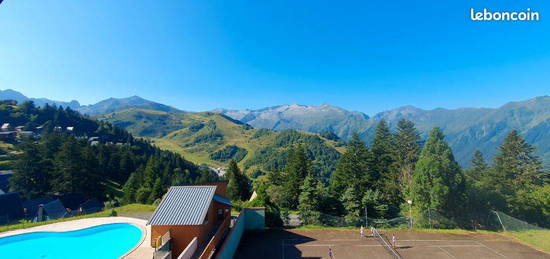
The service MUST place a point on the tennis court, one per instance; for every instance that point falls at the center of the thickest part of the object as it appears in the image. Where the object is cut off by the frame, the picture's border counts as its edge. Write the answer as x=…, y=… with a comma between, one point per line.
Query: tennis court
x=312, y=244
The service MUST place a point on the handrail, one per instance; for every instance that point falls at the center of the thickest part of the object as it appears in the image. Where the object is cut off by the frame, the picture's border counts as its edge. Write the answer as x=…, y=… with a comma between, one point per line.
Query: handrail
x=211, y=247
x=189, y=250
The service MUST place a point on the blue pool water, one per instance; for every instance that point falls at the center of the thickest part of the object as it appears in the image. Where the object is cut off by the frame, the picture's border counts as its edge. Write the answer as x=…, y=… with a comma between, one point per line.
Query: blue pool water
x=101, y=242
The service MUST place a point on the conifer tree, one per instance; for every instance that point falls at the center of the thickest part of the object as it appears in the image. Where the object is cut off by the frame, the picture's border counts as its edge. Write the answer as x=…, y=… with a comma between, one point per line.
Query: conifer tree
x=438, y=182
x=143, y=194
x=67, y=165
x=384, y=170
x=238, y=187
x=383, y=151
x=375, y=204
x=156, y=191
x=30, y=177
x=353, y=166
x=478, y=168
x=516, y=171
x=407, y=141
x=310, y=200
x=516, y=165
x=353, y=205
x=130, y=189
x=297, y=168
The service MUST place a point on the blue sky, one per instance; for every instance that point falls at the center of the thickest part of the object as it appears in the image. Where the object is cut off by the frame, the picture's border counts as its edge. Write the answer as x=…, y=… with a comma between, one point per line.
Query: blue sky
x=368, y=56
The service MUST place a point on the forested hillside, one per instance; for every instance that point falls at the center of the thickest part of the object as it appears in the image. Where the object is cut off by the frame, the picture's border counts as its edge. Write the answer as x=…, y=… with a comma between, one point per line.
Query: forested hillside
x=399, y=167
x=215, y=139
x=71, y=153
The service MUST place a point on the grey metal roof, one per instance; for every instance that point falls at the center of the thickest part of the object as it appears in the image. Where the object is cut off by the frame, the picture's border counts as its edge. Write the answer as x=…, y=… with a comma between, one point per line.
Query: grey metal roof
x=183, y=205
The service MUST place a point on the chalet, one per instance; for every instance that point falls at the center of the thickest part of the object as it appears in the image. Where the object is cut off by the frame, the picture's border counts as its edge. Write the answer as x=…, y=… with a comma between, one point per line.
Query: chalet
x=5, y=127
x=91, y=139
x=197, y=213
x=52, y=210
x=30, y=207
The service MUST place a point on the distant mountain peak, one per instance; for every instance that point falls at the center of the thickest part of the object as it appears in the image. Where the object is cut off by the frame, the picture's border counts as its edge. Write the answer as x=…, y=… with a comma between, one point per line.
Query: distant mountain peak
x=20, y=98
x=118, y=104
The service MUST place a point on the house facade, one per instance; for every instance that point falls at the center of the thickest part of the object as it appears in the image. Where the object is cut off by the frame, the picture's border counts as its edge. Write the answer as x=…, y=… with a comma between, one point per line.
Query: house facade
x=188, y=212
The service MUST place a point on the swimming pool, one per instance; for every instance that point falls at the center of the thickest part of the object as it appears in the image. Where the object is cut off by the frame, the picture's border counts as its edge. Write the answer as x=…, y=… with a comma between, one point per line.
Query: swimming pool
x=108, y=241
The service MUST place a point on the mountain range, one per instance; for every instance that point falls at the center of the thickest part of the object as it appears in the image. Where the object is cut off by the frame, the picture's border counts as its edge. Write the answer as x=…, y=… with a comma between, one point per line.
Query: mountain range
x=466, y=129
x=102, y=107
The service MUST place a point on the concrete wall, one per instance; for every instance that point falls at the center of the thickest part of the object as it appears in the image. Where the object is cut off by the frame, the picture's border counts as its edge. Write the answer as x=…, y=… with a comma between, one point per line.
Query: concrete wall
x=249, y=219
x=255, y=218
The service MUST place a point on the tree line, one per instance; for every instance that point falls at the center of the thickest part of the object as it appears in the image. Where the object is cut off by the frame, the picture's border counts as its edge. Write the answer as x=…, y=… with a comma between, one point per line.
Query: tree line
x=398, y=167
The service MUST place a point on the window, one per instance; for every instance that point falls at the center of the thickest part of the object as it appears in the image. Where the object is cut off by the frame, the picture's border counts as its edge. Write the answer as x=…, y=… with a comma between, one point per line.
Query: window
x=220, y=214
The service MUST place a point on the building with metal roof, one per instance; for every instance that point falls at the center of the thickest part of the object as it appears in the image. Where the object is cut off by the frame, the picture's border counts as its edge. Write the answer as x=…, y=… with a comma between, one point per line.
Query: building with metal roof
x=188, y=212
x=183, y=205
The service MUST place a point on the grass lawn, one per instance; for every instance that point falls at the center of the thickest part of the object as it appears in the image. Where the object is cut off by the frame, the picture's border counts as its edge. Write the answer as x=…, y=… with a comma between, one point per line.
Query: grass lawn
x=536, y=238
x=121, y=211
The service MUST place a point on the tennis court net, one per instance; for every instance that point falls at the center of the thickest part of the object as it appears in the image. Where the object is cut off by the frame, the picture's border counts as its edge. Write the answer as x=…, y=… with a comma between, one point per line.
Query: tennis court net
x=382, y=239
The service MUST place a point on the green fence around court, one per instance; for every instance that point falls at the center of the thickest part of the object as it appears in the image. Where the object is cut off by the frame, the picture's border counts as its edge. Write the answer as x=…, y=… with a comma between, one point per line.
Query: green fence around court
x=249, y=219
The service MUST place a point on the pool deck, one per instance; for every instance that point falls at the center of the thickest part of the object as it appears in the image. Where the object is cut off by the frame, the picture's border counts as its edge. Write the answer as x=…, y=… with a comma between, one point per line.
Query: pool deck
x=142, y=250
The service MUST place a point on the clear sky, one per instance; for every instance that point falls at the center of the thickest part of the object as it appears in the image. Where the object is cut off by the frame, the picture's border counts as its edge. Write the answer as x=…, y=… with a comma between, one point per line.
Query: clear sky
x=369, y=55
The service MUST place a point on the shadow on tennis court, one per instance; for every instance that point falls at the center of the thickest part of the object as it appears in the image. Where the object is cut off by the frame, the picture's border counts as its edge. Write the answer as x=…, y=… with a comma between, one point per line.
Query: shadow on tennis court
x=272, y=244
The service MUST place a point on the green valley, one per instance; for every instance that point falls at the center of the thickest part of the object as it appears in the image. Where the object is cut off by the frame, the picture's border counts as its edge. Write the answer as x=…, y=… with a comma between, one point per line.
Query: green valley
x=214, y=139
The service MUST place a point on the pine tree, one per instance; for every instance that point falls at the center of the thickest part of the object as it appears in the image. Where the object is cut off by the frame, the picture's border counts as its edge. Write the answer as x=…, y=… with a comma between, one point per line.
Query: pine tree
x=156, y=191
x=516, y=165
x=238, y=187
x=516, y=170
x=375, y=204
x=67, y=164
x=310, y=200
x=143, y=194
x=353, y=205
x=384, y=170
x=30, y=177
x=479, y=166
x=130, y=189
x=438, y=183
x=407, y=141
x=89, y=177
x=353, y=166
x=297, y=168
